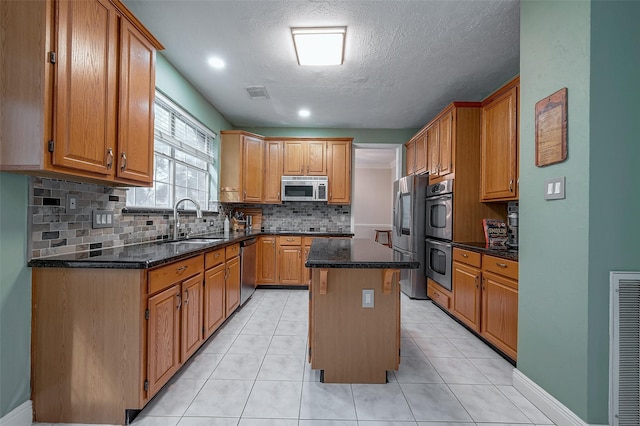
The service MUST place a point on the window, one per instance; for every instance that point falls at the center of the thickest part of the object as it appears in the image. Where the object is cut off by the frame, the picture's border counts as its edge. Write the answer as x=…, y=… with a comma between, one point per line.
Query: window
x=184, y=163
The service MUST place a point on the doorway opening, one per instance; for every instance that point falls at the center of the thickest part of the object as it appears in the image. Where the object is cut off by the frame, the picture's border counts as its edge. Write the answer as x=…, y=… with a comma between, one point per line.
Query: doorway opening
x=376, y=167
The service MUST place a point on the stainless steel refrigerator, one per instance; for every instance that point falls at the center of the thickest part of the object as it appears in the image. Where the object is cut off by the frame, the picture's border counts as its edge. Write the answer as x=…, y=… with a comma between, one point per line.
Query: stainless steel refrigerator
x=408, y=231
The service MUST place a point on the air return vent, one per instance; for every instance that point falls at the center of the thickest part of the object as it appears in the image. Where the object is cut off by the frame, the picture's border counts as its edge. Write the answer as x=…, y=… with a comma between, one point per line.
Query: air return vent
x=624, y=353
x=257, y=92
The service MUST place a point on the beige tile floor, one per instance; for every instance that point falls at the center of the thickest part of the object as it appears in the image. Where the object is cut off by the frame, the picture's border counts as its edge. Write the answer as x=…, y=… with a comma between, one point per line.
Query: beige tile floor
x=253, y=371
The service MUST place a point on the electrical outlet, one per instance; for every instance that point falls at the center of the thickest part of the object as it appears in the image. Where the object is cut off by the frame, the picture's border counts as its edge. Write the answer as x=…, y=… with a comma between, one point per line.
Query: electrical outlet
x=72, y=203
x=367, y=298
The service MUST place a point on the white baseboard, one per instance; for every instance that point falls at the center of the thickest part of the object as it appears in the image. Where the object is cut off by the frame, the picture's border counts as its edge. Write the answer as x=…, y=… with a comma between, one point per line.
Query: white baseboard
x=22, y=415
x=550, y=407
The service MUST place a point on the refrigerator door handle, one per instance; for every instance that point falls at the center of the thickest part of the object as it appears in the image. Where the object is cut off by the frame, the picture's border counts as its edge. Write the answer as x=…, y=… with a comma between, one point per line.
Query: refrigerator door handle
x=398, y=218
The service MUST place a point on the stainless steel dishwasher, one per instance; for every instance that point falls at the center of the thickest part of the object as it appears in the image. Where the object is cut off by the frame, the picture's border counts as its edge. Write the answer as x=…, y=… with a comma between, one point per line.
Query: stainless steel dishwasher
x=248, y=262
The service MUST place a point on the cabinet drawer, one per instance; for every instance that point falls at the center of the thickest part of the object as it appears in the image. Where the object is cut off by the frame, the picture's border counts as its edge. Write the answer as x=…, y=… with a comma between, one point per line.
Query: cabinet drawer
x=438, y=297
x=165, y=276
x=214, y=258
x=290, y=241
x=232, y=251
x=466, y=256
x=497, y=265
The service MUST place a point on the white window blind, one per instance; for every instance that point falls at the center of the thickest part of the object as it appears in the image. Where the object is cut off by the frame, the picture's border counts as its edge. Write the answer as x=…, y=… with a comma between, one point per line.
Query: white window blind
x=184, y=160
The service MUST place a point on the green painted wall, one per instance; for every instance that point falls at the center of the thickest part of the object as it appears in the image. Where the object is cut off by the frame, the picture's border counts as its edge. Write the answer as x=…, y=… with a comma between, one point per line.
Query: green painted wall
x=170, y=82
x=15, y=294
x=614, y=179
x=359, y=135
x=568, y=247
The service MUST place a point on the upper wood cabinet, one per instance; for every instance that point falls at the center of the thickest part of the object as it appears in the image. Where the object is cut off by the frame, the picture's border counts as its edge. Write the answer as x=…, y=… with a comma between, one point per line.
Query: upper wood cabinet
x=272, y=171
x=78, y=83
x=416, y=159
x=242, y=162
x=305, y=158
x=499, y=147
x=440, y=134
x=339, y=159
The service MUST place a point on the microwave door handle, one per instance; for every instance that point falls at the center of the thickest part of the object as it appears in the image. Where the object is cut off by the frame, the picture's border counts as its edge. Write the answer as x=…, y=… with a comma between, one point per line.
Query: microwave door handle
x=315, y=192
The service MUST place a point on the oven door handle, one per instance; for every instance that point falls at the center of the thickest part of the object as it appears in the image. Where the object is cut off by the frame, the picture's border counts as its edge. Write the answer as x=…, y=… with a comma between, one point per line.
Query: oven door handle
x=441, y=197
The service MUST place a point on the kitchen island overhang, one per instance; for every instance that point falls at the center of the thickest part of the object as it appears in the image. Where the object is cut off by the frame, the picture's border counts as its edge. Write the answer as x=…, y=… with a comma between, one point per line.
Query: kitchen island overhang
x=354, y=309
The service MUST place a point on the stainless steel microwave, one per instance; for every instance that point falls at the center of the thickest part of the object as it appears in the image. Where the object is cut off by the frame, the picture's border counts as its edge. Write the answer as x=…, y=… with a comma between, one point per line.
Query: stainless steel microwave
x=305, y=188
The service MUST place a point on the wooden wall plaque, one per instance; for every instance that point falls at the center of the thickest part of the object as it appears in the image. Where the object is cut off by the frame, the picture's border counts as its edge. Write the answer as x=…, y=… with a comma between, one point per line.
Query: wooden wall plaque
x=551, y=129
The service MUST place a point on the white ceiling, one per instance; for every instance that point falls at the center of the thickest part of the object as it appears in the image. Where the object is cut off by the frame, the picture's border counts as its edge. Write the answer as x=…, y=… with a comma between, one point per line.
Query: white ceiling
x=404, y=61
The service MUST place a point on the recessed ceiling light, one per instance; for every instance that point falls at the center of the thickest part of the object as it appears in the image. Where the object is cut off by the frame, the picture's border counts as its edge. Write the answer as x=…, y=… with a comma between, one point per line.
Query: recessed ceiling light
x=304, y=113
x=319, y=46
x=216, y=63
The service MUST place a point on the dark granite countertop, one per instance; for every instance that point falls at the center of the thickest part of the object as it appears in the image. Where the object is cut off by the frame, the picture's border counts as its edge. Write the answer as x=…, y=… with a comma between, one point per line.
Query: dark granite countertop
x=152, y=254
x=502, y=252
x=356, y=253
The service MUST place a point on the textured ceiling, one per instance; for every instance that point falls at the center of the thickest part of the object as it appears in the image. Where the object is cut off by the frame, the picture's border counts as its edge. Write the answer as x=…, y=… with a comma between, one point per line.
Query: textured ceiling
x=404, y=60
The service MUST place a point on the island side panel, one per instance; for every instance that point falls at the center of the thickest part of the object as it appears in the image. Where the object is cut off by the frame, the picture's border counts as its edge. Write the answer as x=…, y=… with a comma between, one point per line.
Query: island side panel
x=353, y=344
x=87, y=344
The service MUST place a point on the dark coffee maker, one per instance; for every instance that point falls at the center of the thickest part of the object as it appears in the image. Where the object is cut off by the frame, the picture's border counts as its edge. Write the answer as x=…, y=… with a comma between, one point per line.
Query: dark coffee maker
x=512, y=230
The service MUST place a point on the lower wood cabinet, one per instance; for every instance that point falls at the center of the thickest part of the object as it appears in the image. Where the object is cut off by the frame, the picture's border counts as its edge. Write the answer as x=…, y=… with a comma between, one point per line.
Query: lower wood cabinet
x=267, y=262
x=485, y=297
x=289, y=261
x=163, y=337
x=232, y=285
x=175, y=319
x=214, y=299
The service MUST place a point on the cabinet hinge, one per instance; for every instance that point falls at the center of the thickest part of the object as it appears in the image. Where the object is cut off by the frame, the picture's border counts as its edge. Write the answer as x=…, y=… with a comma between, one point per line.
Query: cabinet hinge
x=146, y=314
x=50, y=146
x=146, y=385
x=52, y=57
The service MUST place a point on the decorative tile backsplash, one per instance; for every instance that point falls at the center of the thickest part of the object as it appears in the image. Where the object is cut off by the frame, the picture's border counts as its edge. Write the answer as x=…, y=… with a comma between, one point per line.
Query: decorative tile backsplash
x=54, y=230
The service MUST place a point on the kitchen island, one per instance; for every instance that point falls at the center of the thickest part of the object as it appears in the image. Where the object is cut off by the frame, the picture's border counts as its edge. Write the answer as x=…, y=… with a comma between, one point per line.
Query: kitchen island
x=354, y=310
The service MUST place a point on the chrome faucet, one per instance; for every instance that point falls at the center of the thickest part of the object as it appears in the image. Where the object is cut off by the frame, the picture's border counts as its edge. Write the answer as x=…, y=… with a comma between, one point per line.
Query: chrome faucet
x=176, y=219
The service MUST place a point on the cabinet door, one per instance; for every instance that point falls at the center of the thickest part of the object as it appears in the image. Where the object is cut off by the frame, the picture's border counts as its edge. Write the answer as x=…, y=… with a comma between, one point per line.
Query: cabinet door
x=411, y=157
x=137, y=94
x=306, y=272
x=253, y=153
x=421, y=154
x=86, y=87
x=433, y=149
x=232, y=285
x=267, y=260
x=163, y=337
x=500, y=312
x=272, y=172
x=499, y=152
x=289, y=265
x=192, y=318
x=293, y=159
x=466, y=294
x=339, y=154
x=316, y=158
x=214, y=298
x=445, y=138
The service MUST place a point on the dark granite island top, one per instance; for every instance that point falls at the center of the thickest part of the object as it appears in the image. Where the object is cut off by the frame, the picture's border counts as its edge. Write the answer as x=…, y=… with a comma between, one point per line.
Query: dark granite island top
x=357, y=254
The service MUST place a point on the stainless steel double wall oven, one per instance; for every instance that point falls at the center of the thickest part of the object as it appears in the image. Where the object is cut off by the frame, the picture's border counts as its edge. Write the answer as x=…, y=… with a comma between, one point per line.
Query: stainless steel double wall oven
x=439, y=232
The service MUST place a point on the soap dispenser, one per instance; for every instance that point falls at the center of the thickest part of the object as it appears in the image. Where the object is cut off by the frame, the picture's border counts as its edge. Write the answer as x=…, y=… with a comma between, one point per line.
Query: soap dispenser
x=226, y=226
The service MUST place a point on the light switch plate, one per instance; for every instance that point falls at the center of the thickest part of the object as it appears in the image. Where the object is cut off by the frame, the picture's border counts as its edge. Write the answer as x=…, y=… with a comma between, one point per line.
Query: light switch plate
x=554, y=188
x=71, y=204
x=102, y=219
x=367, y=298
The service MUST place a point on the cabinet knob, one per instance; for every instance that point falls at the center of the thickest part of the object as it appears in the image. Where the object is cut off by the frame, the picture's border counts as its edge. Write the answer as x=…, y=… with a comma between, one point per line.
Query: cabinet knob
x=181, y=269
x=465, y=255
x=123, y=165
x=179, y=301
x=109, y=158
x=511, y=185
x=186, y=296
x=245, y=195
x=502, y=265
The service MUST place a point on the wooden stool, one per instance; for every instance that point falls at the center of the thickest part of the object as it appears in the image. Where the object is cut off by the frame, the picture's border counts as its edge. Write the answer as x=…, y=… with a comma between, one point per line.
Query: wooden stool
x=384, y=231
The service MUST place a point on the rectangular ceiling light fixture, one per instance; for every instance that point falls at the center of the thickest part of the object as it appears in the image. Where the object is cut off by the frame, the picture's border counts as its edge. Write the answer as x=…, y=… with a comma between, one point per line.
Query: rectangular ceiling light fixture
x=319, y=46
